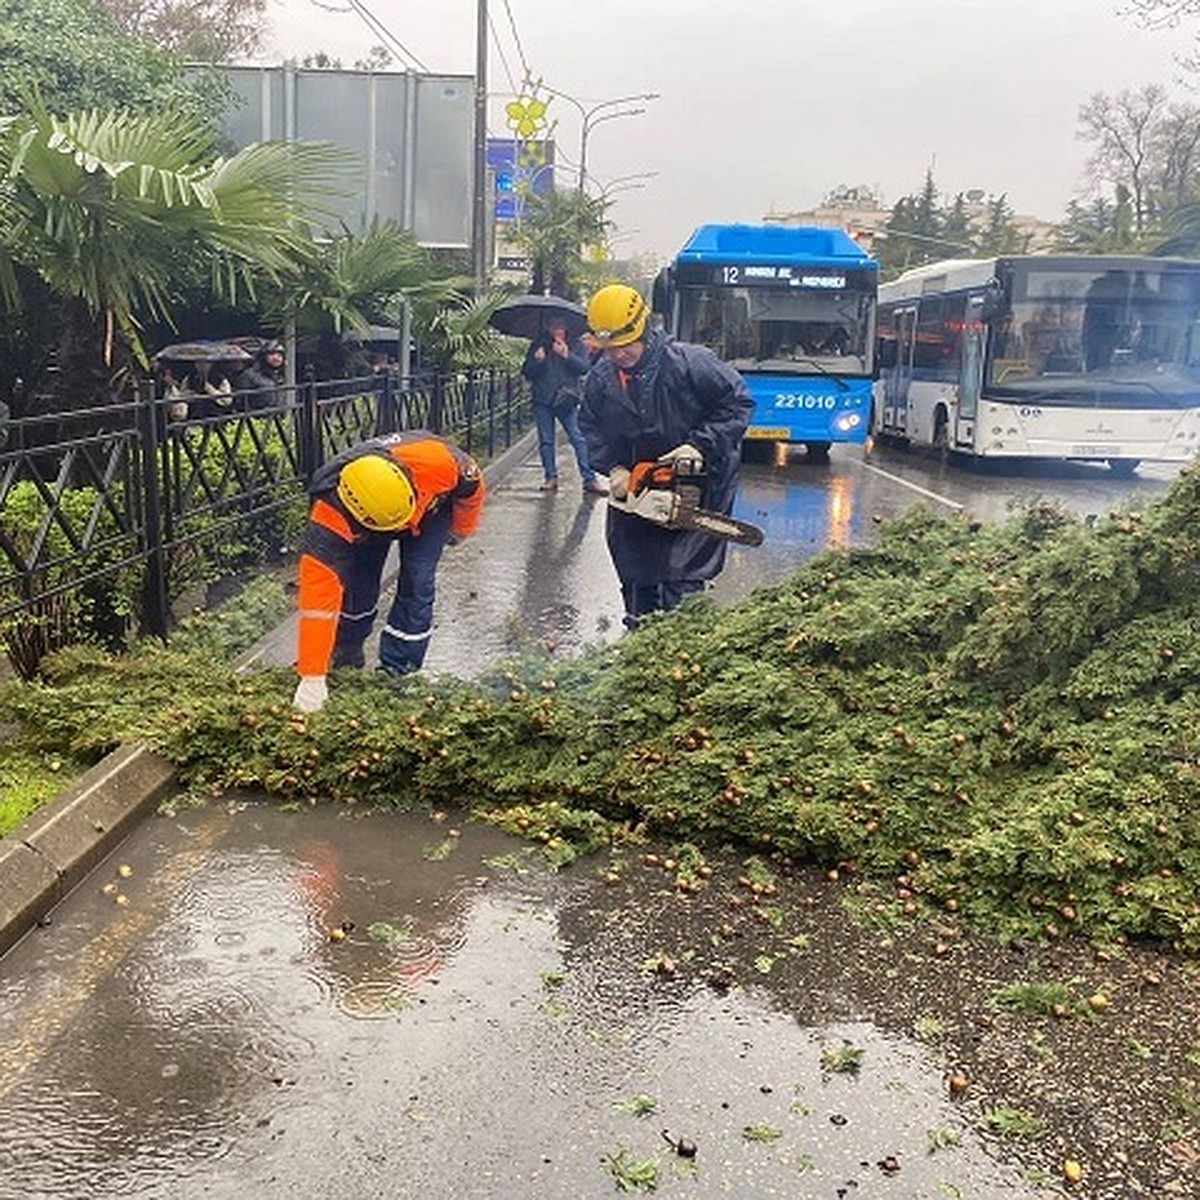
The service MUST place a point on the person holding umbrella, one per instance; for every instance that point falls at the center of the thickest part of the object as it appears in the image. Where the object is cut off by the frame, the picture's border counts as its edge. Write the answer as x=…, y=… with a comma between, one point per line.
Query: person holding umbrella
x=555, y=364
x=555, y=367
x=198, y=371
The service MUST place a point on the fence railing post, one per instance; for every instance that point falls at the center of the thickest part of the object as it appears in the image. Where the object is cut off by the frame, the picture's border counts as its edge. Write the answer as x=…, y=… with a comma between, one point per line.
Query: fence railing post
x=385, y=399
x=309, y=431
x=437, y=403
x=469, y=415
x=508, y=408
x=491, y=412
x=156, y=600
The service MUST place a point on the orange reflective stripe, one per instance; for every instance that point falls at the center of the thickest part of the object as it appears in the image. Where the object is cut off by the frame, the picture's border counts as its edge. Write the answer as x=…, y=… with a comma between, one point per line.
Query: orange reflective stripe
x=325, y=514
x=320, y=603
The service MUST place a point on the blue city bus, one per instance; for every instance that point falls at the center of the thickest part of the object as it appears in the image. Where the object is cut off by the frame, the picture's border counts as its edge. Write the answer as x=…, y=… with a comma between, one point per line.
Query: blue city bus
x=792, y=309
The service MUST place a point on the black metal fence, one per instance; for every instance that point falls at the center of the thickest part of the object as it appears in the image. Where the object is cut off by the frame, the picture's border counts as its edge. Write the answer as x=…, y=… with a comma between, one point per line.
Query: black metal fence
x=125, y=500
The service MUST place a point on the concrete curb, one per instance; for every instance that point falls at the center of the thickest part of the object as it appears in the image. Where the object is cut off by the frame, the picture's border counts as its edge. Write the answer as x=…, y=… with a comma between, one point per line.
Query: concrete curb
x=48, y=854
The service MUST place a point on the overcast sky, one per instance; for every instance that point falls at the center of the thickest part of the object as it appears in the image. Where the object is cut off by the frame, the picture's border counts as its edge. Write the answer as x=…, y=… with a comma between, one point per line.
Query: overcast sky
x=768, y=104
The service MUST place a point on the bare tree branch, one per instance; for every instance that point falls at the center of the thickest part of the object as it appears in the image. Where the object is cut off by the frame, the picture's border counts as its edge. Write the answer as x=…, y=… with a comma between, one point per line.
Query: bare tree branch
x=202, y=30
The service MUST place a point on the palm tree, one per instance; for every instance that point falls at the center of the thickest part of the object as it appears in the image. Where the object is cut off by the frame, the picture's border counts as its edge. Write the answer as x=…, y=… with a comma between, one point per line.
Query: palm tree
x=357, y=280
x=458, y=336
x=554, y=231
x=103, y=206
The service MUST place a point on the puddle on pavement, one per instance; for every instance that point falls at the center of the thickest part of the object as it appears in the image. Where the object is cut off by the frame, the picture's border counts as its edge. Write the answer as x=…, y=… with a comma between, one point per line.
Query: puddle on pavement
x=326, y=1004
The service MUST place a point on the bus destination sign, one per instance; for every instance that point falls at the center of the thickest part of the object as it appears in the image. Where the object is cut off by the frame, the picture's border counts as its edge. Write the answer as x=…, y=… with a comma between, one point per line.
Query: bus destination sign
x=825, y=279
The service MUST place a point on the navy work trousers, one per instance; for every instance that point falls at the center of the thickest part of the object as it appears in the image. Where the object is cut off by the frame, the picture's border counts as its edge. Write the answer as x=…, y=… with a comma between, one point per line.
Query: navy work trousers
x=405, y=638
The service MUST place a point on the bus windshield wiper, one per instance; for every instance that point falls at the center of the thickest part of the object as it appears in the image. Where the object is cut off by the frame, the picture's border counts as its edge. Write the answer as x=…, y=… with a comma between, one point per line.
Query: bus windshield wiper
x=812, y=362
x=1082, y=385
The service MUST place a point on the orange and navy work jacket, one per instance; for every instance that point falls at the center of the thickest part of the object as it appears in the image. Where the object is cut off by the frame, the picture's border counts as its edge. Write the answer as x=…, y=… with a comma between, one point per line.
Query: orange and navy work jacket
x=440, y=474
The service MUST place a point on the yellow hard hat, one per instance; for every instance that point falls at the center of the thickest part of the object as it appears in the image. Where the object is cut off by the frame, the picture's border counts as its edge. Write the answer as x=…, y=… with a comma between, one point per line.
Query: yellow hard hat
x=617, y=315
x=377, y=492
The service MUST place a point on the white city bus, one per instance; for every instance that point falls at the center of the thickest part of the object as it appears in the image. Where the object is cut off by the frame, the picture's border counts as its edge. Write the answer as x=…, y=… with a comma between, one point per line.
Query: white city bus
x=1043, y=356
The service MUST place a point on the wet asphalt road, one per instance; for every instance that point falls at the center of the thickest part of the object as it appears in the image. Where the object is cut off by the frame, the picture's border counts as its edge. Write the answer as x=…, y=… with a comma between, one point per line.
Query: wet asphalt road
x=255, y=1003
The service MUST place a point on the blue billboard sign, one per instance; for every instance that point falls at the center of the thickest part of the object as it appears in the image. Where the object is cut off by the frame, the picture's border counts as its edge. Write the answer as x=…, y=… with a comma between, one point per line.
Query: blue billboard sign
x=519, y=168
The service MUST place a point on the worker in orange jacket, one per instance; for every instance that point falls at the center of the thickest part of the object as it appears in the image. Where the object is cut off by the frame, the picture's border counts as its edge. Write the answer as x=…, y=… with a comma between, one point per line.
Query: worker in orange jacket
x=415, y=489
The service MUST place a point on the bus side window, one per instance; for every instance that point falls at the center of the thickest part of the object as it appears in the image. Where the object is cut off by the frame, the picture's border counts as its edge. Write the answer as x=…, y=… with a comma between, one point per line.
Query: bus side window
x=1193, y=344
x=930, y=351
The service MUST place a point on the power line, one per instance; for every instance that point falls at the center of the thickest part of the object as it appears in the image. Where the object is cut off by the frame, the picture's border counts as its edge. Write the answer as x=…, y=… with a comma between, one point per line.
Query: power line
x=382, y=30
x=512, y=83
x=517, y=38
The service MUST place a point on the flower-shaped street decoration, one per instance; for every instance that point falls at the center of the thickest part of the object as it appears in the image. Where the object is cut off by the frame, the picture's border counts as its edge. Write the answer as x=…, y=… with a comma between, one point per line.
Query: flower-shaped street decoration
x=525, y=116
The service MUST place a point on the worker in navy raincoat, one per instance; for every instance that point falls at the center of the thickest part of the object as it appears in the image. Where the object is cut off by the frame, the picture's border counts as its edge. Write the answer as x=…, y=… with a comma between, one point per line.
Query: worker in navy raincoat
x=651, y=398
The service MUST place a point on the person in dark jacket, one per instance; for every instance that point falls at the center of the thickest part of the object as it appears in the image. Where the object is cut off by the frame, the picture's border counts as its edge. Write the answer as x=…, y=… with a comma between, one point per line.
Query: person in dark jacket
x=262, y=380
x=649, y=397
x=554, y=366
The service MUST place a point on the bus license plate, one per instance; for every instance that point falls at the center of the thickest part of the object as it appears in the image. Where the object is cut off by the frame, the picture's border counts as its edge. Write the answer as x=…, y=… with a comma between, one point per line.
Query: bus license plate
x=1095, y=451
x=774, y=435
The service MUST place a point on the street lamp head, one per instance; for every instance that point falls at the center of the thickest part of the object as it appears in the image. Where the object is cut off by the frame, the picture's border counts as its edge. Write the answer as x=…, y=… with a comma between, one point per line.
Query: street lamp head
x=612, y=116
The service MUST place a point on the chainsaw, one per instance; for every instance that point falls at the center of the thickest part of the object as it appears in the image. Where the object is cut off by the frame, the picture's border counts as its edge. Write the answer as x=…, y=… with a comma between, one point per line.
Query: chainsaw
x=669, y=493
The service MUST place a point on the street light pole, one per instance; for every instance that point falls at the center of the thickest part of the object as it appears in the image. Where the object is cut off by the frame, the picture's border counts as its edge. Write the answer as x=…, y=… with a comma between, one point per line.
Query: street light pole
x=588, y=124
x=479, y=207
x=624, y=183
x=588, y=117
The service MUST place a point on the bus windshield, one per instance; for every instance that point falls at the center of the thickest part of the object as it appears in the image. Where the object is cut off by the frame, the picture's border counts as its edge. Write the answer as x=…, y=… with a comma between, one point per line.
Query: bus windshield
x=781, y=330
x=1135, y=326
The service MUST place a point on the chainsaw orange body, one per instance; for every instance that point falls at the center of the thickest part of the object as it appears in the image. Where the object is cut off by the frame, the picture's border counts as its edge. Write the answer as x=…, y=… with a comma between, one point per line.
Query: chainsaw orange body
x=669, y=494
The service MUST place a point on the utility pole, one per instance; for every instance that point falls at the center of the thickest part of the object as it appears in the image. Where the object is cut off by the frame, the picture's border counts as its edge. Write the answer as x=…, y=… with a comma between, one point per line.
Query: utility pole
x=480, y=207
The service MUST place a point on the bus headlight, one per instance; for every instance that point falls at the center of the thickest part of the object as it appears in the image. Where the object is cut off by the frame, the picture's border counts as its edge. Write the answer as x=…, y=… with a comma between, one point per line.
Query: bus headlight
x=847, y=421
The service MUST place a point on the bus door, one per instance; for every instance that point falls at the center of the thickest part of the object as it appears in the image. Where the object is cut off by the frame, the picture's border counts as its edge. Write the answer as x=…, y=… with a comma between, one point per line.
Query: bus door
x=970, y=380
x=898, y=375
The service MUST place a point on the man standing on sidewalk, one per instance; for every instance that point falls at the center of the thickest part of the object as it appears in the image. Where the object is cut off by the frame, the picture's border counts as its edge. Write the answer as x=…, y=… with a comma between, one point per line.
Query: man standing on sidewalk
x=415, y=489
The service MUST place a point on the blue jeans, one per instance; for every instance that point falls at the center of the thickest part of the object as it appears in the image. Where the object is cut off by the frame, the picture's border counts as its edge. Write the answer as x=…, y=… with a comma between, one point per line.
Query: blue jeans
x=547, y=422
x=405, y=638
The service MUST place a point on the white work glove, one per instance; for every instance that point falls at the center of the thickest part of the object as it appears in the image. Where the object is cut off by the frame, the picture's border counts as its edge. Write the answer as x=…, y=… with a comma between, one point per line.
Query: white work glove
x=685, y=453
x=618, y=483
x=311, y=693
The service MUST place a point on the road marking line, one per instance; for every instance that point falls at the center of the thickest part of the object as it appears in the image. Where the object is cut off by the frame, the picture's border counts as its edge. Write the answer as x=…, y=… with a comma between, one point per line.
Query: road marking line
x=912, y=486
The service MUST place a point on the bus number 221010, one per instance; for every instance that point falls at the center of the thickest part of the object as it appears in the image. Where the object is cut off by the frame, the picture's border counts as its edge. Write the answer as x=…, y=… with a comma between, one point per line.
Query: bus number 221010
x=801, y=400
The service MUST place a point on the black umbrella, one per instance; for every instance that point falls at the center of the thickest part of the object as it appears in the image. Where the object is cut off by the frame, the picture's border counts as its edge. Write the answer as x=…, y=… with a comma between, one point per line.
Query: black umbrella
x=373, y=335
x=224, y=352
x=528, y=316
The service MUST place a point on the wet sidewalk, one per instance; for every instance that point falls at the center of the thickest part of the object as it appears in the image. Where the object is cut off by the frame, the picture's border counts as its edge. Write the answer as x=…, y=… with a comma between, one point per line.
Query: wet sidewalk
x=536, y=571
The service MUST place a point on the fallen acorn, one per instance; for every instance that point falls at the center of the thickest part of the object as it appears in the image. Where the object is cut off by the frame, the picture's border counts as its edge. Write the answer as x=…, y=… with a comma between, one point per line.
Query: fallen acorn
x=683, y=1146
x=1072, y=1171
